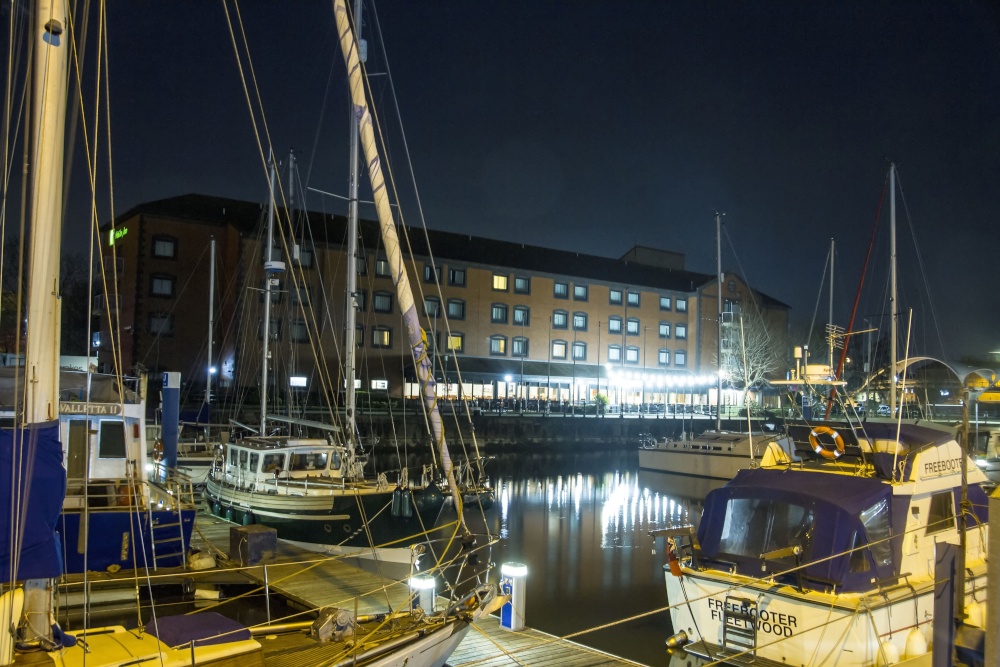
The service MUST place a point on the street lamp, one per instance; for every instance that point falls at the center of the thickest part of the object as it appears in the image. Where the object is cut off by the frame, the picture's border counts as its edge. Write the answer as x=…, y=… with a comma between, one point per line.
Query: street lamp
x=524, y=350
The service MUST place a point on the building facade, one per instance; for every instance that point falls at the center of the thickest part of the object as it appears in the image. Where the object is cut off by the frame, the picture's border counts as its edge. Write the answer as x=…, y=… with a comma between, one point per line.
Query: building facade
x=504, y=321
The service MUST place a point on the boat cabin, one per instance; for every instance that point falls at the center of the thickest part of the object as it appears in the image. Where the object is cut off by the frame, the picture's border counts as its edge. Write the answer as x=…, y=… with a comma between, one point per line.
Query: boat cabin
x=256, y=462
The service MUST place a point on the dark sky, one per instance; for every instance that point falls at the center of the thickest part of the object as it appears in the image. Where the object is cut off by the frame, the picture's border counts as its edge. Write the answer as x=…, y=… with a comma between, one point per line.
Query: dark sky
x=595, y=126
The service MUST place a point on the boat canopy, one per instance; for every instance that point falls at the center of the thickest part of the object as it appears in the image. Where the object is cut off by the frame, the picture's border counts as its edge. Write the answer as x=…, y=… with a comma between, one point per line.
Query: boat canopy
x=842, y=524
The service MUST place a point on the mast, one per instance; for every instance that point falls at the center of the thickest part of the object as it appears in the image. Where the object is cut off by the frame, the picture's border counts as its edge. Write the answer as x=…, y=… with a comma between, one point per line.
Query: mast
x=718, y=275
x=50, y=72
x=271, y=267
x=350, y=304
x=416, y=337
x=892, y=290
x=833, y=331
x=211, y=330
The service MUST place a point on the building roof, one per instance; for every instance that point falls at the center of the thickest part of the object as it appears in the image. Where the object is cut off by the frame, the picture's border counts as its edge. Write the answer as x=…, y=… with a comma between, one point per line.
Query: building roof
x=450, y=246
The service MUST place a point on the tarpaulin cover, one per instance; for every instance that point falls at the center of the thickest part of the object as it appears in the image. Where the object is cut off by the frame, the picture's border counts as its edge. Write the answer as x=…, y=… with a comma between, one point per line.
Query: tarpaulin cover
x=203, y=629
x=32, y=488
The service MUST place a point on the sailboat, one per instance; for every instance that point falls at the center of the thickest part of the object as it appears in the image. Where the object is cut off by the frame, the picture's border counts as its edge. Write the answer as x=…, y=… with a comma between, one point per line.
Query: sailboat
x=716, y=454
x=837, y=559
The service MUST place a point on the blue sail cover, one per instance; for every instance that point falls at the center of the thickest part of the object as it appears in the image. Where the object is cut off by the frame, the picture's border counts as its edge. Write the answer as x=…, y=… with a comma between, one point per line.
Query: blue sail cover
x=828, y=515
x=32, y=488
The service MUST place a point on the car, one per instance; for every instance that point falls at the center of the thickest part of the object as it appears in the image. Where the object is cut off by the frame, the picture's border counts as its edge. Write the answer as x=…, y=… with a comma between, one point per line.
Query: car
x=883, y=411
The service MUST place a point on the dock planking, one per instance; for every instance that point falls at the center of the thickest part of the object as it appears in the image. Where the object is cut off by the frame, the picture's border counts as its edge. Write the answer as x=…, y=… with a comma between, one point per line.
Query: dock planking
x=313, y=581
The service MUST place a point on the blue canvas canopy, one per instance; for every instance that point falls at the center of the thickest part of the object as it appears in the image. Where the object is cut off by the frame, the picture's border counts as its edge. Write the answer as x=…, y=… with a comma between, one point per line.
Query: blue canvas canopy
x=827, y=515
x=32, y=488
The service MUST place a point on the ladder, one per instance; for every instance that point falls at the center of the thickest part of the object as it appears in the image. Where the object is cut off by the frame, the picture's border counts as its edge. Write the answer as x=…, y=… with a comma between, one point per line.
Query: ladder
x=167, y=537
x=739, y=625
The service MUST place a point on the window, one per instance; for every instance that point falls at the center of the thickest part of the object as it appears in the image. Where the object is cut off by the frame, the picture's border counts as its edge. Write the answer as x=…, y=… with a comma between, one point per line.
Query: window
x=942, y=513
x=682, y=305
x=456, y=342
x=579, y=321
x=561, y=290
x=361, y=300
x=498, y=313
x=579, y=351
x=580, y=292
x=522, y=316
x=95, y=339
x=498, y=345
x=522, y=285
x=432, y=307
x=430, y=273
x=161, y=324
x=681, y=331
x=615, y=325
x=359, y=335
x=381, y=337
x=499, y=282
x=519, y=346
x=615, y=297
x=614, y=353
x=633, y=299
x=631, y=354
x=382, y=302
x=379, y=385
x=111, y=440
x=456, y=277
x=680, y=358
x=558, y=349
x=664, y=329
x=560, y=319
x=301, y=295
x=456, y=309
x=361, y=262
x=274, y=332
x=382, y=269
x=304, y=258
x=663, y=357
x=665, y=303
x=632, y=326
x=298, y=332
x=165, y=247
x=161, y=285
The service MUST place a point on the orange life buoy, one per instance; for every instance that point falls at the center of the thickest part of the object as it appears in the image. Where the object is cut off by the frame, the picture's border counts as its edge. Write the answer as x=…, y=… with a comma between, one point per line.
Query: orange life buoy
x=838, y=441
x=158, y=450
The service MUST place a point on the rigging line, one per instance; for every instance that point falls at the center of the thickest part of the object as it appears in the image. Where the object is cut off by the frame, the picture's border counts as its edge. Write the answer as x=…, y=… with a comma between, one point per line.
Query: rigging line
x=923, y=270
x=819, y=298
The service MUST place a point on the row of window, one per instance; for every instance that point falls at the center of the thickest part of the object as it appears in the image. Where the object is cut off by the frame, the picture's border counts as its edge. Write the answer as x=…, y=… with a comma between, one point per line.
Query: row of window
x=578, y=349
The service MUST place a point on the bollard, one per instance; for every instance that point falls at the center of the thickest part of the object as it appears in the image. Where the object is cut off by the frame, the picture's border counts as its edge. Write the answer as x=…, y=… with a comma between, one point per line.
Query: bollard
x=423, y=593
x=512, y=581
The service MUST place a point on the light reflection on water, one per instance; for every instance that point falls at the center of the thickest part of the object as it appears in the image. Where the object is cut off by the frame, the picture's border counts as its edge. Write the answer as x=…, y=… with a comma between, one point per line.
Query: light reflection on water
x=581, y=524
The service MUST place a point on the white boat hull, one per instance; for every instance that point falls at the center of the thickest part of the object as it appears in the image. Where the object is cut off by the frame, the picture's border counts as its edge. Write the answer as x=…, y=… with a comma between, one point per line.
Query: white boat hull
x=715, y=455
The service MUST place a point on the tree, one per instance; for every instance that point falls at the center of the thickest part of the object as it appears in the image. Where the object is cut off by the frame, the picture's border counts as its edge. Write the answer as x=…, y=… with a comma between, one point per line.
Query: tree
x=752, y=349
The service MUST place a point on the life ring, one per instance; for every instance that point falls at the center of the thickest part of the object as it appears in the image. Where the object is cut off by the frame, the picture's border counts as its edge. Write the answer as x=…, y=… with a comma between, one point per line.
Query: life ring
x=838, y=441
x=158, y=450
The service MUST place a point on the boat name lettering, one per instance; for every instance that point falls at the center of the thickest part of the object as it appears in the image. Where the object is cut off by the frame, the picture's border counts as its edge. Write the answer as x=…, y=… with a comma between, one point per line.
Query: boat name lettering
x=769, y=622
x=942, y=467
x=69, y=408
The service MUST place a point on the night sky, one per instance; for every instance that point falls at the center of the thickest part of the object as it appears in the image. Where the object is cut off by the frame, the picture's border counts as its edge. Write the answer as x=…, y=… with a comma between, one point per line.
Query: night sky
x=592, y=127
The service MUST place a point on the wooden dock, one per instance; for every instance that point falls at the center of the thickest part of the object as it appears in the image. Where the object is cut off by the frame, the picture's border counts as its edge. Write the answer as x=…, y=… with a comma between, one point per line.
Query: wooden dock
x=311, y=581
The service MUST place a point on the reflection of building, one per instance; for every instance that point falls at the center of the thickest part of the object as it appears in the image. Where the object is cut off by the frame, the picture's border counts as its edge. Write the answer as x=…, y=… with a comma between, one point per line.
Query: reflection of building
x=515, y=320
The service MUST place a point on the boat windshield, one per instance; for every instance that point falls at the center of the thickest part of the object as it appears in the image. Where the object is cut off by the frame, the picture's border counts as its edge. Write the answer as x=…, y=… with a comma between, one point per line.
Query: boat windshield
x=308, y=461
x=756, y=526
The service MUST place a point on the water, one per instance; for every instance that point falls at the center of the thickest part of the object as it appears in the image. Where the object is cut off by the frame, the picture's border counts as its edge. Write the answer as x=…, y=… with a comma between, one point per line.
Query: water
x=581, y=523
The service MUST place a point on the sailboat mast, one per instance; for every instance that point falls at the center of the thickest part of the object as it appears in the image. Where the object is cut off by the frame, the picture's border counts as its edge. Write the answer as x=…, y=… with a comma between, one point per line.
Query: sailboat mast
x=892, y=290
x=270, y=267
x=211, y=325
x=830, y=315
x=390, y=240
x=718, y=275
x=350, y=304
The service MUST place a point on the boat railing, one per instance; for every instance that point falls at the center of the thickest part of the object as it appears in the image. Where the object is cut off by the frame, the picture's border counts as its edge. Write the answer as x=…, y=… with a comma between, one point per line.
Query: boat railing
x=175, y=492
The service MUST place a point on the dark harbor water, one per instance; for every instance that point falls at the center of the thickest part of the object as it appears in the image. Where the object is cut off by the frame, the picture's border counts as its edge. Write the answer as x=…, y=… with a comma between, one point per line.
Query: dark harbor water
x=581, y=524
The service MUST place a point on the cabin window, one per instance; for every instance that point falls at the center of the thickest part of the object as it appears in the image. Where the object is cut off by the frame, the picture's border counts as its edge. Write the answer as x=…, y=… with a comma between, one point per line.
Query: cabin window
x=233, y=454
x=755, y=526
x=273, y=462
x=878, y=532
x=112, y=440
x=254, y=461
x=243, y=459
x=308, y=461
x=942, y=514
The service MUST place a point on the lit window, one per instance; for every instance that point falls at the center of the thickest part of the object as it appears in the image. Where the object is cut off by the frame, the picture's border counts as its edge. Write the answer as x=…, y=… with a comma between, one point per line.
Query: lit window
x=381, y=337
x=680, y=358
x=664, y=329
x=499, y=282
x=615, y=325
x=456, y=277
x=558, y=349
x=456, y=341
x=161, y=285
x=498, y=313
x=498, y=345
x=665, y=303
x=561, y=290
x=382, y=302
x=379, y=385
x=522, y=285
x=519, y=346
x=631, y=355
x=580, y=321
x=432, y=306
x=632, y=326
x=456, y=309
x=580, y=292
x=430, y=273
x=682, y=305
x=560, y=319
x=164, y=247
x=579, y=351
x=382, y=269
x=663, y=357
x=614, y=353
x=633, y=299
x=615, y=297
x=522, y=316
x=681, y=331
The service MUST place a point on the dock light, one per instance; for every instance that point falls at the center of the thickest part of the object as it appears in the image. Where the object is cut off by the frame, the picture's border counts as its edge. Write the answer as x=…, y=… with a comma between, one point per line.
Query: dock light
x=422, y=593
x=507, y=378
x=297, y=381
x=512, y=583
x=213, y=370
